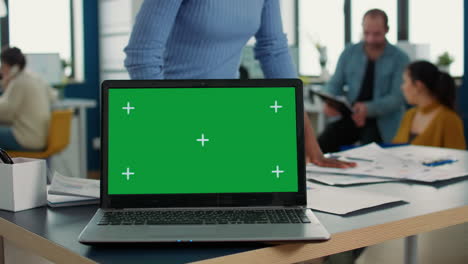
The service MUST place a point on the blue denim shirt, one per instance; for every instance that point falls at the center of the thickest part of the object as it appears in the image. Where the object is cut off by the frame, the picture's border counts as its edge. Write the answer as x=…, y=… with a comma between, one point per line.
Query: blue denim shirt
x=388, y=103
x=182, y=39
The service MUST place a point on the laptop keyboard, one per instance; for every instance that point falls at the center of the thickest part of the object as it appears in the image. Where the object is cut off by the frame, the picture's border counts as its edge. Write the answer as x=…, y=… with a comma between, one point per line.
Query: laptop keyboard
x=205, y=217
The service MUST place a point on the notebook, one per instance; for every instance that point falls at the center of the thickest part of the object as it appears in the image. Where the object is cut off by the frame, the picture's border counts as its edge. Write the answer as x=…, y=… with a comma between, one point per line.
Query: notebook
x=339, y=103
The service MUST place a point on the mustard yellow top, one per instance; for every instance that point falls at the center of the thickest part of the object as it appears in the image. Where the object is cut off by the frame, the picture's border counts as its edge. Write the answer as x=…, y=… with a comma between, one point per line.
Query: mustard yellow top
x=445, y=130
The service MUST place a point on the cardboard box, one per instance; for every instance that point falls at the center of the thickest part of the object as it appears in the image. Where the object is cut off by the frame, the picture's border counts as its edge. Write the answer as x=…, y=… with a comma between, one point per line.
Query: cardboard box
x=23, y=184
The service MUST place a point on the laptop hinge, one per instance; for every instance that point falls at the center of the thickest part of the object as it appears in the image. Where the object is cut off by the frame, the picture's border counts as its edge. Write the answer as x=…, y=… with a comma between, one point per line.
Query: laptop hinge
x=212, y=208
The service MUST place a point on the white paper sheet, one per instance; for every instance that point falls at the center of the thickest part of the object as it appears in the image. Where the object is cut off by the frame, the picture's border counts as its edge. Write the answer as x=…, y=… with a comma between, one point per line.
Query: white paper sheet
x=333, y=179
x=55, y=200
x=342, y=201
x=63, y=185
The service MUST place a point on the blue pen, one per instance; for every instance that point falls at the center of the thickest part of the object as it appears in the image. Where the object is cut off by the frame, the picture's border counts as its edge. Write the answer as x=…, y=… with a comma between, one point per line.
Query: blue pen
x=439, y=162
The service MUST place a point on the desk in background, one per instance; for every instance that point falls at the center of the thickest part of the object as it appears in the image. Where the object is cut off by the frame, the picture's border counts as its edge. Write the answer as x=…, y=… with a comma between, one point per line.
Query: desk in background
x=77, y=149
x=313, y=105
x=52, y=233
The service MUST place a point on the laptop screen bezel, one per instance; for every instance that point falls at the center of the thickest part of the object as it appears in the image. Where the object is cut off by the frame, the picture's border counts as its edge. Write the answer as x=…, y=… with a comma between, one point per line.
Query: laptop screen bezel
x=203, y=200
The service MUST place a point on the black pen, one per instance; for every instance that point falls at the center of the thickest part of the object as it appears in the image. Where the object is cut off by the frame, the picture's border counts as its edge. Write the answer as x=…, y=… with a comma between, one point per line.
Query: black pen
x=334, y=156
x=5, y=157
x=359, y=159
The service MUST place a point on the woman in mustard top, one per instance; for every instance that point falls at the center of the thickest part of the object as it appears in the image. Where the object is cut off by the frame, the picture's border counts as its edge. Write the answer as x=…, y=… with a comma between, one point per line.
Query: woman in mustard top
x=433, y=121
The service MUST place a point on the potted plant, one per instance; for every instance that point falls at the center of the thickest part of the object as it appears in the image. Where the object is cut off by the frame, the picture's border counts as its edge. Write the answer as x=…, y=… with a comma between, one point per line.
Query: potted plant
x=444, y=60
x=323, y=58
x=60, y=87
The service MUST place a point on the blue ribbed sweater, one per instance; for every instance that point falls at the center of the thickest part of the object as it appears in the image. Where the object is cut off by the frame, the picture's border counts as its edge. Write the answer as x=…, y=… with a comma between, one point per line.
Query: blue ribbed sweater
x=203, y=39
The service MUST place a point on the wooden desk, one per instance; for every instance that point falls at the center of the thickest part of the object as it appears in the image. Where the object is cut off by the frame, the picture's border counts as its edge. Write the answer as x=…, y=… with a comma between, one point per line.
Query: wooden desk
x=52, y=233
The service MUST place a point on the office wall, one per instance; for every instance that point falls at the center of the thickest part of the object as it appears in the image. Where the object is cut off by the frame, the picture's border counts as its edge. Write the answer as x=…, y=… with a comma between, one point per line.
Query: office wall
x=89, y=88
x=116, y=19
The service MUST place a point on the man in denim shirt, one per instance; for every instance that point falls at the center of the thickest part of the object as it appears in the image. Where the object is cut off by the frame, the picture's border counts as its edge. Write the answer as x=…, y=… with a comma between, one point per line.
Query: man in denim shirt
x=372, y=72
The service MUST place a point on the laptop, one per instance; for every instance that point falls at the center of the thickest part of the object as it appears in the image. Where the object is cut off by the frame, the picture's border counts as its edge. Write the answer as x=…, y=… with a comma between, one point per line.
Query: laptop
x=202, y=161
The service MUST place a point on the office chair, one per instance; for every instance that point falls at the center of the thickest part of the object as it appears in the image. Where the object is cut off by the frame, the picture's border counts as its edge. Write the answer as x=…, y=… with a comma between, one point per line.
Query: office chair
x=58, y=139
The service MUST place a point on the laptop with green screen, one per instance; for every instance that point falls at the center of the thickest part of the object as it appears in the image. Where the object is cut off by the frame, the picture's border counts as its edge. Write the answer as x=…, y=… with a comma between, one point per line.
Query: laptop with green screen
x=201, y=161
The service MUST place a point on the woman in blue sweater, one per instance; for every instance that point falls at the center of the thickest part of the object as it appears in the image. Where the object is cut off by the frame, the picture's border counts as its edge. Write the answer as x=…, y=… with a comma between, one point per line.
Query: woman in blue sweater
x=187, y=39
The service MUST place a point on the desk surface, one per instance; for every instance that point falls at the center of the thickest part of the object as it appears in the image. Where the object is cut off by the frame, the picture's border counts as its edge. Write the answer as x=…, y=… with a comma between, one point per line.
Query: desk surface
x=431, y=206
x=75, y=102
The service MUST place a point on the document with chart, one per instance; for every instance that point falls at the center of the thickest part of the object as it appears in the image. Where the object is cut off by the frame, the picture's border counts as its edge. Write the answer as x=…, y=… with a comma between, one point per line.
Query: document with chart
x=404, y=163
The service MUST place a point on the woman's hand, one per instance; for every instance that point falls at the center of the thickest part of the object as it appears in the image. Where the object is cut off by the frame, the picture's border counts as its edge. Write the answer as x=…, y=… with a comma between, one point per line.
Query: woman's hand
x=314, y=153
x=332, y=163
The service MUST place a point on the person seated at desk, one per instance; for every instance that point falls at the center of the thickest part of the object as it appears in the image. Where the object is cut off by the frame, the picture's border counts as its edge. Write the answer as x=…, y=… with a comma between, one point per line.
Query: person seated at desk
x=433, y=121
x=25, y=105
x=371, y=70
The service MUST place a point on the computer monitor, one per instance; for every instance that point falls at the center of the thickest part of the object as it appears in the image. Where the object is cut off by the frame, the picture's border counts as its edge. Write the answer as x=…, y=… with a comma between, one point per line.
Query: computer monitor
x=47, y=65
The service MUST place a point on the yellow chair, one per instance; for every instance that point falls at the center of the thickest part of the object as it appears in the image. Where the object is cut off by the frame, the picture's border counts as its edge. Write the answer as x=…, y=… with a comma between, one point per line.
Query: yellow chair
x=58, y=139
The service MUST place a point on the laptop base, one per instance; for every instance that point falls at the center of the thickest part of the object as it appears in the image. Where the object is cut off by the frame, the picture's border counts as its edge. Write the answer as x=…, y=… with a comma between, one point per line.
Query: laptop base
x=94, y=233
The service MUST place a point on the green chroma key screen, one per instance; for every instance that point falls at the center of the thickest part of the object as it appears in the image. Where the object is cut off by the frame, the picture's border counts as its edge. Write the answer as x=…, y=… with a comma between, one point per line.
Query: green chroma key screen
x=202, y=140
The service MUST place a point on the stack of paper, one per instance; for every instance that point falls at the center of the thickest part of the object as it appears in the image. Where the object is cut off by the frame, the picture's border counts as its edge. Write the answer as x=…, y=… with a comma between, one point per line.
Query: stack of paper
x=402, y=163
x=341, y=180
x=342, y=201
x=54, y=200
x=68, y=191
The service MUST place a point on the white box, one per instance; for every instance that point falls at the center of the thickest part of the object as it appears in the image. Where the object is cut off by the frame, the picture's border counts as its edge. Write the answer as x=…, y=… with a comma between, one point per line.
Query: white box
x=23, y=184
